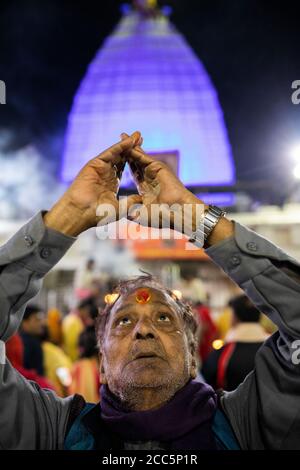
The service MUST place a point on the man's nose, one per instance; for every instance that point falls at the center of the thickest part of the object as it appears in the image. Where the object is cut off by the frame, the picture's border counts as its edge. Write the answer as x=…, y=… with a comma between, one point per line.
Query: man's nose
x=144, y=330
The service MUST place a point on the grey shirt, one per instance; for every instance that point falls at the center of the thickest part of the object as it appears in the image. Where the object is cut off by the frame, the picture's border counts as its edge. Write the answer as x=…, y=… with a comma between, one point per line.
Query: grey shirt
x=264, y=410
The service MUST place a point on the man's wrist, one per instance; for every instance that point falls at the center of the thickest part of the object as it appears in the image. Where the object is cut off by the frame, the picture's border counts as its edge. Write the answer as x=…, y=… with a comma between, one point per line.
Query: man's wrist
x=195, y=216
x=193, y=212
x=223, y=229
x=66, y=218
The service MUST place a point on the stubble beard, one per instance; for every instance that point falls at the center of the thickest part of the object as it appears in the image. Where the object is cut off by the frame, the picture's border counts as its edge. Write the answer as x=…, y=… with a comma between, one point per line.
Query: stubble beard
x=136, y=393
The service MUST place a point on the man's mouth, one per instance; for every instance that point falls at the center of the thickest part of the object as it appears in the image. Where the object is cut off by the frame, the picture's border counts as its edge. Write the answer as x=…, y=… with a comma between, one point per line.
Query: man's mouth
x=146, y=356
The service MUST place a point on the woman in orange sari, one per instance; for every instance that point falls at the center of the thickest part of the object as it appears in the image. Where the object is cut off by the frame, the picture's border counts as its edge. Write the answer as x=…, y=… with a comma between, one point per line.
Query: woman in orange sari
x=85, y=371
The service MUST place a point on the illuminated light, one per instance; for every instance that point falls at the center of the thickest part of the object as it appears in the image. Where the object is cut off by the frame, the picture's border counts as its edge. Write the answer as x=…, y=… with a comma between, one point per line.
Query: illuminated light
x=146, y=77
x=297, y=171
x=218, y=344
x=177, y=294
x=111, y=298
x=295, y=153
x=143, y=296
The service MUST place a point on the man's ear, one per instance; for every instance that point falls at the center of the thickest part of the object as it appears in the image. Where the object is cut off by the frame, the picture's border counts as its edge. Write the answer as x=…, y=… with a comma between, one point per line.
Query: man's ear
x=101, y=369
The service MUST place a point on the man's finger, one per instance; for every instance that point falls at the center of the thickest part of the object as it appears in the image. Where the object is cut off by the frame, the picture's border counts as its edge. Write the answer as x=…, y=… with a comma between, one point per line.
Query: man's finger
x=137, y=164
x=136, y=171
x=120, y=167
x=136, y=136
x=138, y=161
x=114, y=153
x=138, y=145
x=119, y=164
x=139, y=157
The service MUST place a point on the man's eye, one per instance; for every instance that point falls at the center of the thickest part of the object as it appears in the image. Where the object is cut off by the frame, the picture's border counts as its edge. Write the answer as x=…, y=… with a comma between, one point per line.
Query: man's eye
x=124, y=321
x=163, y=317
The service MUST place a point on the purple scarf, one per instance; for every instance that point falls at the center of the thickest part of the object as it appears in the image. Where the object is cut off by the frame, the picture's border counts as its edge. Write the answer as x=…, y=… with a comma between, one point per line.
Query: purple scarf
x=184, y=423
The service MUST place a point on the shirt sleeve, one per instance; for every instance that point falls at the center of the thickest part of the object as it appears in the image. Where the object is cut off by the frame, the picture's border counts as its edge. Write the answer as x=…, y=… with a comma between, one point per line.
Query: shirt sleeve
x=265, y=409
x=30, y=417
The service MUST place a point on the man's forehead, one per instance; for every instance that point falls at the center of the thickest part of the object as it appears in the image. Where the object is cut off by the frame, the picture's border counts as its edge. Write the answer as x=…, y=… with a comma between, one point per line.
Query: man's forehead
x=142, y=296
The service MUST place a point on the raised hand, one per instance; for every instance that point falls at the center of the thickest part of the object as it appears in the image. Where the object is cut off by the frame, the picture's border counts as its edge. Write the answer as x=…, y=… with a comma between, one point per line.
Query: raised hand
x=97, y=183
x=157, y=185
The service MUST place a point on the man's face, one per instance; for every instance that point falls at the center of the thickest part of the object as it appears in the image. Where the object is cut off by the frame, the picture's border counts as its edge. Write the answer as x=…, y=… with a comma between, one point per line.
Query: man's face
x=145, y=345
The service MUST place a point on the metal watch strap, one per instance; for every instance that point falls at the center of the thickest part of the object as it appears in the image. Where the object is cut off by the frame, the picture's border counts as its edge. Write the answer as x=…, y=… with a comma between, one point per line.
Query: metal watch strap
x=211, y=218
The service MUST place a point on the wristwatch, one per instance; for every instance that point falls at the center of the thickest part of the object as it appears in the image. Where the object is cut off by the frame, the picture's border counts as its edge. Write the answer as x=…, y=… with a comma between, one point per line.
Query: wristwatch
x=211, y=217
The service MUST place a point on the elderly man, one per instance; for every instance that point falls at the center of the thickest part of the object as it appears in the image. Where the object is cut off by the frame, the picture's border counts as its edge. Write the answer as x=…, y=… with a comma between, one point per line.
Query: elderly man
x=147, y=335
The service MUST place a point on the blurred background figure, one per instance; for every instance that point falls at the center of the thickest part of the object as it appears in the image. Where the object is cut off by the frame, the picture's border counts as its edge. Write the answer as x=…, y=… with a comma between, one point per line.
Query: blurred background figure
x=191, y=287
x=85, y=279
x=86, y=276
x=54, y=325
x=30, y=332
x=193, y=290
x=224, y=322
x=57, y=365
x=228, y=366
x=207, y=331
x=85, y=371
x=75, y=322
x=15, y=354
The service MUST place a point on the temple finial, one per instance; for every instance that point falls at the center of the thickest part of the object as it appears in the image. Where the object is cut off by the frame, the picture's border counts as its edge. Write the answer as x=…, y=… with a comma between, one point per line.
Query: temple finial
x=149, y=4
x=146, y=7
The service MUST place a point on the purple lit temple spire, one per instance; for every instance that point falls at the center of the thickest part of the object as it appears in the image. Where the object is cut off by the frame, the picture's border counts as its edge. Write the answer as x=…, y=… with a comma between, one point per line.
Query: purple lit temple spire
x=146, y=77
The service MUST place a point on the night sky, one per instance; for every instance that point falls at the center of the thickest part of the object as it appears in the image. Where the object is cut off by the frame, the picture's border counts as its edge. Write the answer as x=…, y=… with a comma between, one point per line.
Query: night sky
x=251, y=50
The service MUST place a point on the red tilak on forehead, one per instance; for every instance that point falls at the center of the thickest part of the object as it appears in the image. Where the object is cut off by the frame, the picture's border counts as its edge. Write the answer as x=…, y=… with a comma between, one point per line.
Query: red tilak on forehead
x=142, y=296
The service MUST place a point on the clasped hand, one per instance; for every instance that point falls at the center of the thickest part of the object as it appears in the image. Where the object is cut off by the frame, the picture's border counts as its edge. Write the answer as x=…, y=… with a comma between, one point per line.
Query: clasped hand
x=98, y=184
